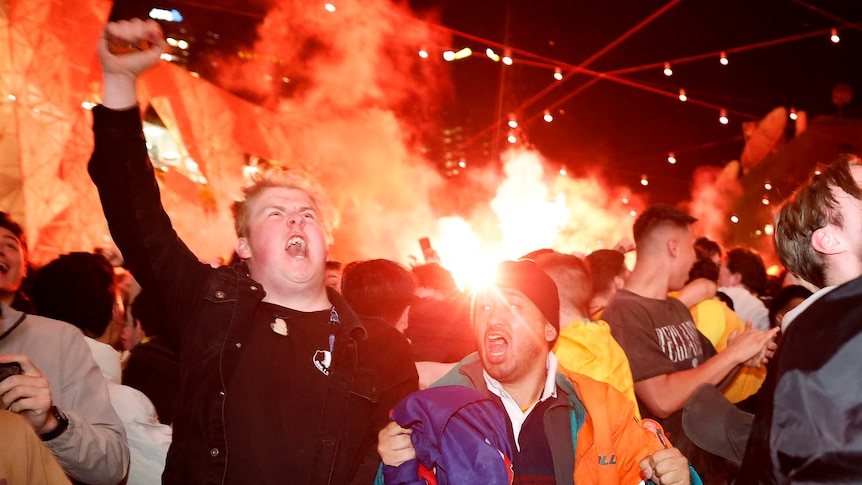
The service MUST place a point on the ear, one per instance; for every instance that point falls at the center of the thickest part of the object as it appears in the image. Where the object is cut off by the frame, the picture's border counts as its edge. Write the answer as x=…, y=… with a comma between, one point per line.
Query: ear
x=672, y=247
x=241, y=248
x=824, y=241
x=550, y=332
x=619, y=282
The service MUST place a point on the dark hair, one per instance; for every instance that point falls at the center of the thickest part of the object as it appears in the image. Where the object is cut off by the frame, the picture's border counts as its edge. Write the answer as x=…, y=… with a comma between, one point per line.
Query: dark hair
x=336, y=265
x=9, y=224
x=78, y=288
x=749, y=265
x=147, y=310
x=812, y=207
x=657, y=216
x=783, y=297
x=706, y=248
x=378, y=288
x=432, y=275
x=605, y=265
x=703, y=268
x=572, y=277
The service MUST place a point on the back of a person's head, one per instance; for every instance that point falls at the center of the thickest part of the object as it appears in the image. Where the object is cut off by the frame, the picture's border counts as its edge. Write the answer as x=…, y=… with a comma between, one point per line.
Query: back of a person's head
x=604, y=266
x=148, y=311
x=378, y=288
x=810, y=208
x=749, y=265
x=704, y=268
x=278, y=177
x=77, y=288
x=706, y=248
x=655, y=218
x=572, y=277
x=435, y=277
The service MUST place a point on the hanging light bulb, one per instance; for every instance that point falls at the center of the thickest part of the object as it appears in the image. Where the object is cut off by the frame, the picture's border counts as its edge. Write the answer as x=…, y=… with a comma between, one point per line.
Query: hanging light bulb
x=644, y=180
x=722, y=116
x=722, y=58
x=563, y=171
x=329, y=7
x=682, y=96
x=448, y=56
x=834, y=36
x=512, y=138
x=548, y=117
x=767, y=185
x=558, y=74
x=671, y=159
x=423, y=53
x=765, y=200
x=667, y=70
x=492, y=55
x=463, y=53
x=734, y=219
x=793, y=114
x=507, y=57
x=513, y=123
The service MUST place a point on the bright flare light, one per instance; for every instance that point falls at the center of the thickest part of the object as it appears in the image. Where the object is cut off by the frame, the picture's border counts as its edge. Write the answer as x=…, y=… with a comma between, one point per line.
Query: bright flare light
x=448, y=56
x=329, y=7
x=182, y=44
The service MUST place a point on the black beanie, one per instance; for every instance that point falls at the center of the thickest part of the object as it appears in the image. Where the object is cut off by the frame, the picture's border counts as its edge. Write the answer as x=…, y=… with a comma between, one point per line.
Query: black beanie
x=525, y=276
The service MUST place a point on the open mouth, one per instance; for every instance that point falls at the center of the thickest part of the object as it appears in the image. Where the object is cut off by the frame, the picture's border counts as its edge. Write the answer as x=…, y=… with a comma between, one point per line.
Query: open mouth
x=297, y=247
x=4, y=268
x=496, y=345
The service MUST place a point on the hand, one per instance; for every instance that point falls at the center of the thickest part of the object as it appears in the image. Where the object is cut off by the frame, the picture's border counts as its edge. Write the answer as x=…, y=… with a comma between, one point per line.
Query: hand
x=753, y=347
x=127, y=48
x=28, y=394
x=665, y=467
x=394, y=445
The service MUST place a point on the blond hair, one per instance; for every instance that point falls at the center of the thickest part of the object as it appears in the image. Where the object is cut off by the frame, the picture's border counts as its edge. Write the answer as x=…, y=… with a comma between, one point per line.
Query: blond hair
x=278, y=177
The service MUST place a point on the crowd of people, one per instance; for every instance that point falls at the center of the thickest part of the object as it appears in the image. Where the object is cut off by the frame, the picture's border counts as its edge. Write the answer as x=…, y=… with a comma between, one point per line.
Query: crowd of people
x=286, y=367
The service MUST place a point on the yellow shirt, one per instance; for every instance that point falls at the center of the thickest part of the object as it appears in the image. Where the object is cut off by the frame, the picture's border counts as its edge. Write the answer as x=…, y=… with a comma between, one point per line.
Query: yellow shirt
x=588, y=348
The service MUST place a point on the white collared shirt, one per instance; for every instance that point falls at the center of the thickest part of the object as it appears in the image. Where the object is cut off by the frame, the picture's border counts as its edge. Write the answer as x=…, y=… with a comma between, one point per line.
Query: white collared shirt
x=516, y=416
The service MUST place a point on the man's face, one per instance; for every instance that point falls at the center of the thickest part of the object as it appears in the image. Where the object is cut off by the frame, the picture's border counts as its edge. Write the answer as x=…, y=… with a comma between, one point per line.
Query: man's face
x=512, y=335
x=286, y=242
x=685, y=257
x=851, y=212
x=12, y=264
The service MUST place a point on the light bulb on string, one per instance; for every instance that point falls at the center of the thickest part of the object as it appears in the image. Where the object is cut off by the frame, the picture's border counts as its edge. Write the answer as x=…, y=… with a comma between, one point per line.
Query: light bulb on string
x=793, y=115
x=548, y=117
x=513, y=123
x=448, y=56
x=834, y=36
x=423, y=53
x=558, y=74
x=682, y=96
x=767, y=185
x=671, y=159
x=329, y=7
x=765, y=200
x=512, y=138
x=734, y=219
x=722, y=116
x=507, y=57
x=722, y=58
x=644, y=180
x=667, y=70
x=463, y=53
x=563, y=171
x=492, y=55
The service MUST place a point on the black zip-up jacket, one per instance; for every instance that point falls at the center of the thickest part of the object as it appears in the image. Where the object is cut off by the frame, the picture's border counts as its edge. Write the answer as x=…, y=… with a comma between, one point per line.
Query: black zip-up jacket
x=213, y=309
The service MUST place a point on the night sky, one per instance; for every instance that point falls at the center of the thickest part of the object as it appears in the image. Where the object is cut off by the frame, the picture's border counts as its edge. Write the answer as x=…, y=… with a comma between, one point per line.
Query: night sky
x=611, y=129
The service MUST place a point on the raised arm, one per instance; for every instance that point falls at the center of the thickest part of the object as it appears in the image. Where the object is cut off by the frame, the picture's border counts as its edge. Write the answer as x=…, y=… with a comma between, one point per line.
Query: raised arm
x=126, y=49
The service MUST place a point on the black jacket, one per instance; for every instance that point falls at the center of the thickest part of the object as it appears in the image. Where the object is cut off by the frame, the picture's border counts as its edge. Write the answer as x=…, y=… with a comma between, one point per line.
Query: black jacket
x=213, y=309
x=807, y=427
